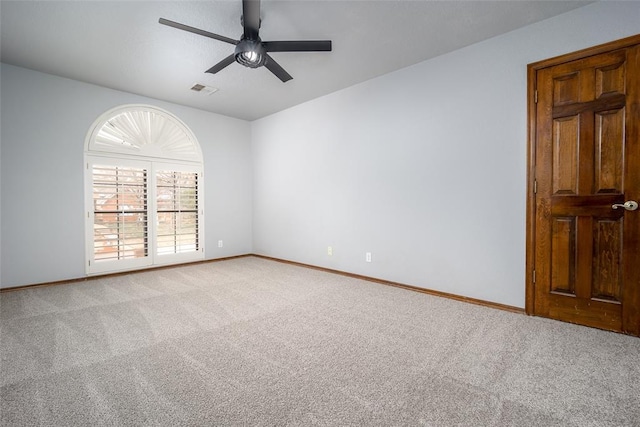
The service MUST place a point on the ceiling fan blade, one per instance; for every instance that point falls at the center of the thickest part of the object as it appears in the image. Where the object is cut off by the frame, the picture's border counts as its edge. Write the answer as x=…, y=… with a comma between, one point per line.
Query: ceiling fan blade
x=298, y=46
x=276, y=69
x=222, y=64
x=251, y=18
x=197, y=31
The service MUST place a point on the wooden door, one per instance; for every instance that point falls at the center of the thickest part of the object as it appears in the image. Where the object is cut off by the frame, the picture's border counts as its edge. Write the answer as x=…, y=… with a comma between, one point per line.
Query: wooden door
x=584, y=253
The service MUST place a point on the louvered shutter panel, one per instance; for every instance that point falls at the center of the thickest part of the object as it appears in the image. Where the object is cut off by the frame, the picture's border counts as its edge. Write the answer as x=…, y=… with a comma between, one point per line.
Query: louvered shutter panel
x=177, y=212
x=120, y=226
x=146, y=132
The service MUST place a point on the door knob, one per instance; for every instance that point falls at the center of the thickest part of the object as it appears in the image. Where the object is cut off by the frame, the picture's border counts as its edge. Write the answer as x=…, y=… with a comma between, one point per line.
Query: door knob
x=630, y=205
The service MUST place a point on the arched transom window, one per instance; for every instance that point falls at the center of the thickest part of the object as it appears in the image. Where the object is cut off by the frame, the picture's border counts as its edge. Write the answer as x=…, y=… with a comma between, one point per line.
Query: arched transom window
x=144, y=190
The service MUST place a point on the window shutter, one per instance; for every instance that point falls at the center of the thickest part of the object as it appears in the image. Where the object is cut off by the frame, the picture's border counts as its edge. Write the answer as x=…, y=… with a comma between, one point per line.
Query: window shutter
x=144, y=131
x=177, y=212
x=120, y=226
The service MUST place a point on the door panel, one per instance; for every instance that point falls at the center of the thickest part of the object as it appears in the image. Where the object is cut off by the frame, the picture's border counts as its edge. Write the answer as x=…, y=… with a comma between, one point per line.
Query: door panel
x=609, y=151
x=607, y=258
x=566, y=132
x=563, y=259
x=585, y=255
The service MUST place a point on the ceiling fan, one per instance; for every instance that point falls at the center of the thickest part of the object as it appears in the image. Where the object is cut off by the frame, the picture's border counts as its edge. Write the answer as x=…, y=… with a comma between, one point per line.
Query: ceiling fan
x=250, y=50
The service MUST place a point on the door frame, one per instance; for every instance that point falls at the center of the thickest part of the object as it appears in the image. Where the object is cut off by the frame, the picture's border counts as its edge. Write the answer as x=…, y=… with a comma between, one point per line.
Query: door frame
x=532, y=72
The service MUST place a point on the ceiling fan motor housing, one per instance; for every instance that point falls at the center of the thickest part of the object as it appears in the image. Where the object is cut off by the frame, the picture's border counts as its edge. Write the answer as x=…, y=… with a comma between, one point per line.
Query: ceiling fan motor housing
x=250, y=53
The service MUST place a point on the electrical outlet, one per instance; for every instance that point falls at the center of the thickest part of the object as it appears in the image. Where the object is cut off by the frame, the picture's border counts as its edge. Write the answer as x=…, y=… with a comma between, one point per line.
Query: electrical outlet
x=329, y=250
x=220, y=243
x=368, y=257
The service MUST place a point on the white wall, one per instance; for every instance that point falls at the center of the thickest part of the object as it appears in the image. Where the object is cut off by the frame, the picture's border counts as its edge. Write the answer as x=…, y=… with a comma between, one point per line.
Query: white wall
x=44, y=123
x=424, y=167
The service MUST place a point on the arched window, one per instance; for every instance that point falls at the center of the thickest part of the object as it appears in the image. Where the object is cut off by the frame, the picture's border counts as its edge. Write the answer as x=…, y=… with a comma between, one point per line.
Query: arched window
x=143, y=190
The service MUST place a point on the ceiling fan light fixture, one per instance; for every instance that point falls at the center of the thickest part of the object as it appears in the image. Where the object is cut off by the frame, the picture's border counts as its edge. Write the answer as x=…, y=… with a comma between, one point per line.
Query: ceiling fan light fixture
x=250, y=53
x=251, y=56
x=250, y=59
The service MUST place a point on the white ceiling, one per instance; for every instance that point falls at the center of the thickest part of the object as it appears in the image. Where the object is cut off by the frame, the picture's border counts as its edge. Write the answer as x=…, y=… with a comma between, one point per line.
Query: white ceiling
x=120, y=45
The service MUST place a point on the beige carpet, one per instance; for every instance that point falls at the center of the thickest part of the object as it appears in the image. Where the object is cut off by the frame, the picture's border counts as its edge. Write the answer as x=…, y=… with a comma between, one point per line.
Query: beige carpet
x=251, y=342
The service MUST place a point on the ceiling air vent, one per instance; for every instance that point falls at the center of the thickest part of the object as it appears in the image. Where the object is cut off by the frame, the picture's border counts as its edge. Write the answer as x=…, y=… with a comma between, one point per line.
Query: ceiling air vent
x=207, y=90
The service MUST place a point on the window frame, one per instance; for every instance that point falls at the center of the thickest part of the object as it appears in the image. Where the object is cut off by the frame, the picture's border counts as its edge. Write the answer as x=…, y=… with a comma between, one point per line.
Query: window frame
x=152, y=165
